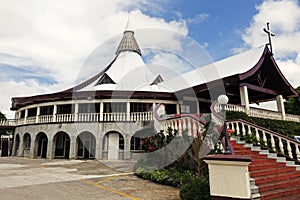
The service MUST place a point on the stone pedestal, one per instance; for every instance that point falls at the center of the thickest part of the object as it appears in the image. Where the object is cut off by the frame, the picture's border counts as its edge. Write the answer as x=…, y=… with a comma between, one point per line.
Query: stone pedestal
x=229, y=176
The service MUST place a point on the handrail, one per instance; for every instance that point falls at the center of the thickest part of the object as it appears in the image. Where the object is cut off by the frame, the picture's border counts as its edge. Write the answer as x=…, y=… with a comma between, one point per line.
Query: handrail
x=263, y=113
x=277, y=142
x=84, y=117
x=174, y=116
x=191, y=123
x=7, y=122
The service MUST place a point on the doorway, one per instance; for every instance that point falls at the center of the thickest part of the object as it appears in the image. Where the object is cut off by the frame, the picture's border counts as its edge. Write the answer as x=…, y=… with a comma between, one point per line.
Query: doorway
x=113, y=146
x=86, y=145
x=42, y=144
x=62, y=145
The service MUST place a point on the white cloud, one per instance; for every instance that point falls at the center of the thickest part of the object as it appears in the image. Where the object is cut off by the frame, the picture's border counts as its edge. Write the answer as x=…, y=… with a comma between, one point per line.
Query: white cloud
x=19, y=89
x=284, y=18
x=198, y=18
x=58, y=36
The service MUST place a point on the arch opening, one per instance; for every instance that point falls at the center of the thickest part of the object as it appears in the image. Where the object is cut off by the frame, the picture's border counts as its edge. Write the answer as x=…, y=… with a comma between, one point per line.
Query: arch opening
x=41, y=143
x=113, y=146
x=86, y=145
x=26, y=144
x=61, y=143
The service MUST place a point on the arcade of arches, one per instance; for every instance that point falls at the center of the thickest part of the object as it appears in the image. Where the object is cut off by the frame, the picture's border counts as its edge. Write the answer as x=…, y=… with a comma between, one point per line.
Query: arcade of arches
x=83, y=146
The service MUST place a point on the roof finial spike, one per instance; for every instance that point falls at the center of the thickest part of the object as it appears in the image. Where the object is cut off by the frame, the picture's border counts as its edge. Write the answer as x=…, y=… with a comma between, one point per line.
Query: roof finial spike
x=268, y=31
x=129, y=26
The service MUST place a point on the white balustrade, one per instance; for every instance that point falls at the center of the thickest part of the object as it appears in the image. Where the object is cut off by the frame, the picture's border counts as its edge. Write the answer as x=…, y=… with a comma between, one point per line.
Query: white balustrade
x=277, y=142
x=7, y=122
x=186, y=125
x=258, y=112
x=21, y=121
x=114, y=117
x=88, y=117
x=30, y=120
x=294, y=118
x=141, y=116
x=64, y=117
x=45, y=118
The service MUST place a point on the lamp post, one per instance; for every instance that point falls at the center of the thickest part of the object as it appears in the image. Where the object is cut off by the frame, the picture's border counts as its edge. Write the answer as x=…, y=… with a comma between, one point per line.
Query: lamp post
x=223, y=100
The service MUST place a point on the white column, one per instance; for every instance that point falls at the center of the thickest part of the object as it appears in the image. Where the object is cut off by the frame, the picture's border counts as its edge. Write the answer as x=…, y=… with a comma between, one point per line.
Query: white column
x=101, y=111
x=178, y=108
x=198, y=107
x=72, y=148
x=280, y=106
x=245, y=98
x=50, y=149
x=13, y=153
x=127, y=153
x=21, y=146
x=128, y=111
x=76, y=112
x=25, y=117
x=37, y=114
x=17, y=115
x=54, y=113
x=113, y=146
x=32, y=146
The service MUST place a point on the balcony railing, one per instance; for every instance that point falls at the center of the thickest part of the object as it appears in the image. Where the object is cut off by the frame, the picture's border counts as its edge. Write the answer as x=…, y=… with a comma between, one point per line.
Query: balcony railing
x=114, y=117
x=261, y=113
x=45, y=118
x=30, y=120
x=86, y=117
x=7, y=122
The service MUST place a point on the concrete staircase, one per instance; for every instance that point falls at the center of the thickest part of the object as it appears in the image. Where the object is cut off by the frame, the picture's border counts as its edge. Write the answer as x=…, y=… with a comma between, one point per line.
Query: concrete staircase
x=272, y=177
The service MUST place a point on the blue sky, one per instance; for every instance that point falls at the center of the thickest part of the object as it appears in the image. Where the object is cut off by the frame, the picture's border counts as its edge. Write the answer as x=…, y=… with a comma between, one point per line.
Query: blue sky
x=221, y=25
x=44, y=45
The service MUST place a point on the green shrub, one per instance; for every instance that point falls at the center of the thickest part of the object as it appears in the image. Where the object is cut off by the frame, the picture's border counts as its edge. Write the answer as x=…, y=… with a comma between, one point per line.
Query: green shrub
x=195, y=189
x=170, y=177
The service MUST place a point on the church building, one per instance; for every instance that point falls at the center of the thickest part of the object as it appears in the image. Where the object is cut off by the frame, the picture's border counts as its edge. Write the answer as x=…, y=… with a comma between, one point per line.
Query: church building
x=98, y=118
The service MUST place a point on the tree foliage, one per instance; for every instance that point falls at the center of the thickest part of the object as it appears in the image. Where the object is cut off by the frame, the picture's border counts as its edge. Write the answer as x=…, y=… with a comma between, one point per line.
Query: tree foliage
x=2, y=116
x=292, y=106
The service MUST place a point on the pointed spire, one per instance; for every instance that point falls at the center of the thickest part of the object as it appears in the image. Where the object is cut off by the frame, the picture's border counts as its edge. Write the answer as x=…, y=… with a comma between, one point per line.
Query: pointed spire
x=128, y=42
x=129, y=26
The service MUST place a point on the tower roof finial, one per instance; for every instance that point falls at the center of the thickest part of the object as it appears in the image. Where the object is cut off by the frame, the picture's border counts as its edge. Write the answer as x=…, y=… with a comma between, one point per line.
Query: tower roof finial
x=128, y=42
x=129, y=26
x=268, y=31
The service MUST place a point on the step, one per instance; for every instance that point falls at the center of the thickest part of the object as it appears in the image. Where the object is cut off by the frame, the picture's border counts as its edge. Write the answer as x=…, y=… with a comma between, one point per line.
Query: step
x=270, y=195
x=274, y=177
x=254, y=189
x=255, y=196
x=277, y=177
x=289, y=197
x=257, y=167
x=263, y=161
x=279, y=185
x=271, y=171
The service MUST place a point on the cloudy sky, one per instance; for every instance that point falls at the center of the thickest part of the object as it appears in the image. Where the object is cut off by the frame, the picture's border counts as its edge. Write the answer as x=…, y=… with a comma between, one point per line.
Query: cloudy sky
x=44, y=44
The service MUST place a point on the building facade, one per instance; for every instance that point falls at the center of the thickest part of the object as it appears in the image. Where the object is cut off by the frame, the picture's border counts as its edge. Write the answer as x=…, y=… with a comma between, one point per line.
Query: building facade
x=98, y=119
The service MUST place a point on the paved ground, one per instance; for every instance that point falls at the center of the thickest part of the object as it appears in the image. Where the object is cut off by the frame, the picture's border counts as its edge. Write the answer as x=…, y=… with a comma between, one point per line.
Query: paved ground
x=74, y=179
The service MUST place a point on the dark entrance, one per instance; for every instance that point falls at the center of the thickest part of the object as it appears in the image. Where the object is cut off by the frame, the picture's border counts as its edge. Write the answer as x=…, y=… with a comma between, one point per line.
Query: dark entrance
x=86, y=145
x=62, y=145
x=4, y=146
x=42, y=143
